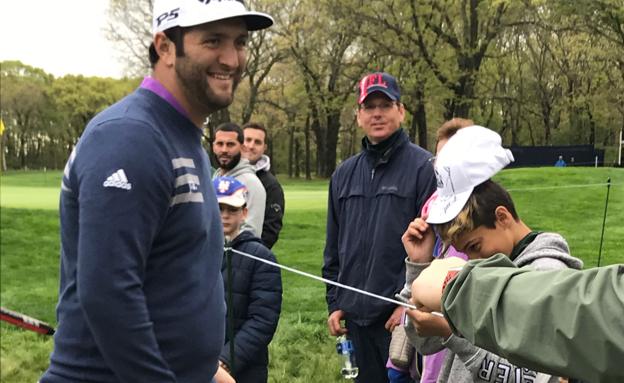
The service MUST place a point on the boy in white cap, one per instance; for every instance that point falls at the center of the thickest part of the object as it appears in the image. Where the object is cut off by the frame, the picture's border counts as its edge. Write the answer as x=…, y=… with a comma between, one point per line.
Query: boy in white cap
x=478, y=217
x=141, y=294
x=256, y=291
x=399, y=356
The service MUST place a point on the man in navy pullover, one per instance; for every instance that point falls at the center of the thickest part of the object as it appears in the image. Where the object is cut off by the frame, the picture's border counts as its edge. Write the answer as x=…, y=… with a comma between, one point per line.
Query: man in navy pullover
x=373, y=196
x=141, y=294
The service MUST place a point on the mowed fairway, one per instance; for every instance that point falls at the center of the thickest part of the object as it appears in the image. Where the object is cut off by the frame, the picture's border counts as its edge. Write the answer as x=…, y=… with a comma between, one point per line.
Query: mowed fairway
x=554, y=199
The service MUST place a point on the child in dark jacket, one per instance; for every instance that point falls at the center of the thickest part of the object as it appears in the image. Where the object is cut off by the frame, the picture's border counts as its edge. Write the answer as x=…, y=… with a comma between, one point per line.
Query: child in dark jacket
x=256, y=292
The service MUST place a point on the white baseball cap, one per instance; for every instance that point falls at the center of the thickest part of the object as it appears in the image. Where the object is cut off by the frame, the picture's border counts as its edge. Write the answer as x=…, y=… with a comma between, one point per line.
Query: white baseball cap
x=187, y=13
x=470, y=157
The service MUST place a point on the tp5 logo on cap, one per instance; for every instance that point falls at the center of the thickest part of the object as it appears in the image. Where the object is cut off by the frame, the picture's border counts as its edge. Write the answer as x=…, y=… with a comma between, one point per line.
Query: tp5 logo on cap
x=168, y=16
x=188, y=13
x=379, y=82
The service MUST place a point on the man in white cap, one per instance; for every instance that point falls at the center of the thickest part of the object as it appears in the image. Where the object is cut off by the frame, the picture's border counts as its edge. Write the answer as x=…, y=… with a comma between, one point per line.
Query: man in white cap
x=141, y=294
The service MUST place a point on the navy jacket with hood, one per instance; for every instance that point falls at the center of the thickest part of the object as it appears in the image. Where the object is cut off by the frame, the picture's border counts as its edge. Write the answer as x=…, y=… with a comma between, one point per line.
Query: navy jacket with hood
x=373, y=196
x=257, y=302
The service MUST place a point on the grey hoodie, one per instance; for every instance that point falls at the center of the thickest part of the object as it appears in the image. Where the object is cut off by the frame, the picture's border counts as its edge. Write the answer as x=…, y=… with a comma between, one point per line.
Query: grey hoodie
x=245, y=172
x=263, y=163
x=468, y=363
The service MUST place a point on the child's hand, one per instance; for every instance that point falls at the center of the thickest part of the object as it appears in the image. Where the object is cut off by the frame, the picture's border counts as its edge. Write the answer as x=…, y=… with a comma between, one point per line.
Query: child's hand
x=418, y=241
x=395, y=318
x=427, y=324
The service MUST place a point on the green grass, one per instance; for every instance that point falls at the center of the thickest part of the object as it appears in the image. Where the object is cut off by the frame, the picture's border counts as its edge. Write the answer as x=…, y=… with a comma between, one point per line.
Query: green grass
x=548, y=199
x=302, y=350
x=29, y=253
x=30, y=190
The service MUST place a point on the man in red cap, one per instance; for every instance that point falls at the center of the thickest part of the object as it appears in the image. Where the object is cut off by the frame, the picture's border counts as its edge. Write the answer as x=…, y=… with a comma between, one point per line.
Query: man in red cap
x=373, y=196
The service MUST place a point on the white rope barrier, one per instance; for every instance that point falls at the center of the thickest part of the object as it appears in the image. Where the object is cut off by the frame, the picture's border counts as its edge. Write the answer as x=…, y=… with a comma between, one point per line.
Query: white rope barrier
x=376, y=296
x=562, y=187
x=292, y=270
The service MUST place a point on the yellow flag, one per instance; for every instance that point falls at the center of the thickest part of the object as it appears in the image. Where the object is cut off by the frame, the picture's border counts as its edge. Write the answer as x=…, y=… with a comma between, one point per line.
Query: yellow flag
x=1, y=126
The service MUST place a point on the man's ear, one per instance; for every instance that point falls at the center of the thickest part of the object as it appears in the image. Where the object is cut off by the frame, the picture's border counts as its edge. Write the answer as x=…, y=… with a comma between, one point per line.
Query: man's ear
x=165, y=49
x=503, y=216
x=401, y=111
x=245, y=211
x=357, y=116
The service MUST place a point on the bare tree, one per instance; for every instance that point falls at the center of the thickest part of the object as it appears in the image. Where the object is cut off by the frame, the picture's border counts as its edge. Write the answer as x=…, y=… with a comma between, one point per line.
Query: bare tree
x=130, y=26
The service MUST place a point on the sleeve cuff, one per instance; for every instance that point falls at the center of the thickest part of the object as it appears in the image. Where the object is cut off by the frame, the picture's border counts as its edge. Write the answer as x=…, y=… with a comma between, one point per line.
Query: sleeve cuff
x=412, y=271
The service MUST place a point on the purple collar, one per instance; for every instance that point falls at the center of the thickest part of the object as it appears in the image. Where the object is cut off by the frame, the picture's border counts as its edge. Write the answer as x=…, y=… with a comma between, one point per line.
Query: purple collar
x=153, y=85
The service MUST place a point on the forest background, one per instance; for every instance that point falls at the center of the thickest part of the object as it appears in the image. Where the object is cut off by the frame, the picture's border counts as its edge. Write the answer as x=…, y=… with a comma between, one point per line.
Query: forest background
x=538, y=72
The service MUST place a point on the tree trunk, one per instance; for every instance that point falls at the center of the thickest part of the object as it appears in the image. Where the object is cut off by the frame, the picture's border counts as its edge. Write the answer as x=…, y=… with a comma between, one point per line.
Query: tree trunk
x=22, y=151
x=291, y=149
x=297, y=164
x=592, y=126
x=464, y=94
x=248, y=107
x=355, y=142
x=531, y=135
x=320, y=147
x=307, y=148
x=420, y=117
x=3, y=154
x=331, y=145
x=41, y=161
x=269, y=143
x=513, y=128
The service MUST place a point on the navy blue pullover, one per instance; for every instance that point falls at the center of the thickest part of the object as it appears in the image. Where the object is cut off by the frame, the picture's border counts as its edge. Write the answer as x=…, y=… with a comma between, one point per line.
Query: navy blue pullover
x=373, y=196
x=141, y=293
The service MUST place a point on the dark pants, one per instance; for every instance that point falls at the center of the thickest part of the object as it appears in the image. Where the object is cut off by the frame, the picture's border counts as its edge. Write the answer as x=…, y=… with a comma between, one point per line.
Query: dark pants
x=371, y=344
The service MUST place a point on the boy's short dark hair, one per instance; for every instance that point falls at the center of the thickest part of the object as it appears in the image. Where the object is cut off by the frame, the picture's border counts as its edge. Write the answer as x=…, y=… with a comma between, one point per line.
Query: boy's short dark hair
x=231, y=127
x=256, y=125
x=176, y=35
x=480, y=210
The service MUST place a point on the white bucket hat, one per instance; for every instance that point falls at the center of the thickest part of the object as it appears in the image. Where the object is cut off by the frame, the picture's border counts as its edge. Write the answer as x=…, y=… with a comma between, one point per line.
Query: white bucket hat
x=186, y=13
x=470, y=157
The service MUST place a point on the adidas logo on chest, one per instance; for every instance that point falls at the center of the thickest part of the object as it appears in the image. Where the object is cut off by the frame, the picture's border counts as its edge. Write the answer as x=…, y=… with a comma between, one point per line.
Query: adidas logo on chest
x=118, y=180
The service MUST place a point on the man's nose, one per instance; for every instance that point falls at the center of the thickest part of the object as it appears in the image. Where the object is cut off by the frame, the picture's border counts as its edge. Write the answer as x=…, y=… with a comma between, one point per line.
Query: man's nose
x=228, y=56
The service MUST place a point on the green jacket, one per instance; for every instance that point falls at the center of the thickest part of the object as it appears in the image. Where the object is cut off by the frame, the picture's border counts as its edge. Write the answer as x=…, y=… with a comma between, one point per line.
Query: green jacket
x=562, y=322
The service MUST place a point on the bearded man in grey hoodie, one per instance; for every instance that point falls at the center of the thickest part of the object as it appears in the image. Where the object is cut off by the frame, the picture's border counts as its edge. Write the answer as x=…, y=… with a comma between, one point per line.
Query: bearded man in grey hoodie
x=227, y=147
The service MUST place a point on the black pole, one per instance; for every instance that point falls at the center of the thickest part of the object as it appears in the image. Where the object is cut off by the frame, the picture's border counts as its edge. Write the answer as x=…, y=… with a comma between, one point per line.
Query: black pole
x=604, y=220
x=230, y=307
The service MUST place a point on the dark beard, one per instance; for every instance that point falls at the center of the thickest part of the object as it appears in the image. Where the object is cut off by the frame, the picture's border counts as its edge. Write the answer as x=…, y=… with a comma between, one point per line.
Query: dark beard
x=232, y=164
x=192, y=77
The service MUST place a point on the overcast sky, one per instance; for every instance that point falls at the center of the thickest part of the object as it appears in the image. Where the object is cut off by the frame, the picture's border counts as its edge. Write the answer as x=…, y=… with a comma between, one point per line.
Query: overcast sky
x=60, y=36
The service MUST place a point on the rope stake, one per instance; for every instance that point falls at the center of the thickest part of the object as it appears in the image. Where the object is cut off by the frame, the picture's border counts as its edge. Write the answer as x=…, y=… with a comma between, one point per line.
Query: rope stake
x=604, y=220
